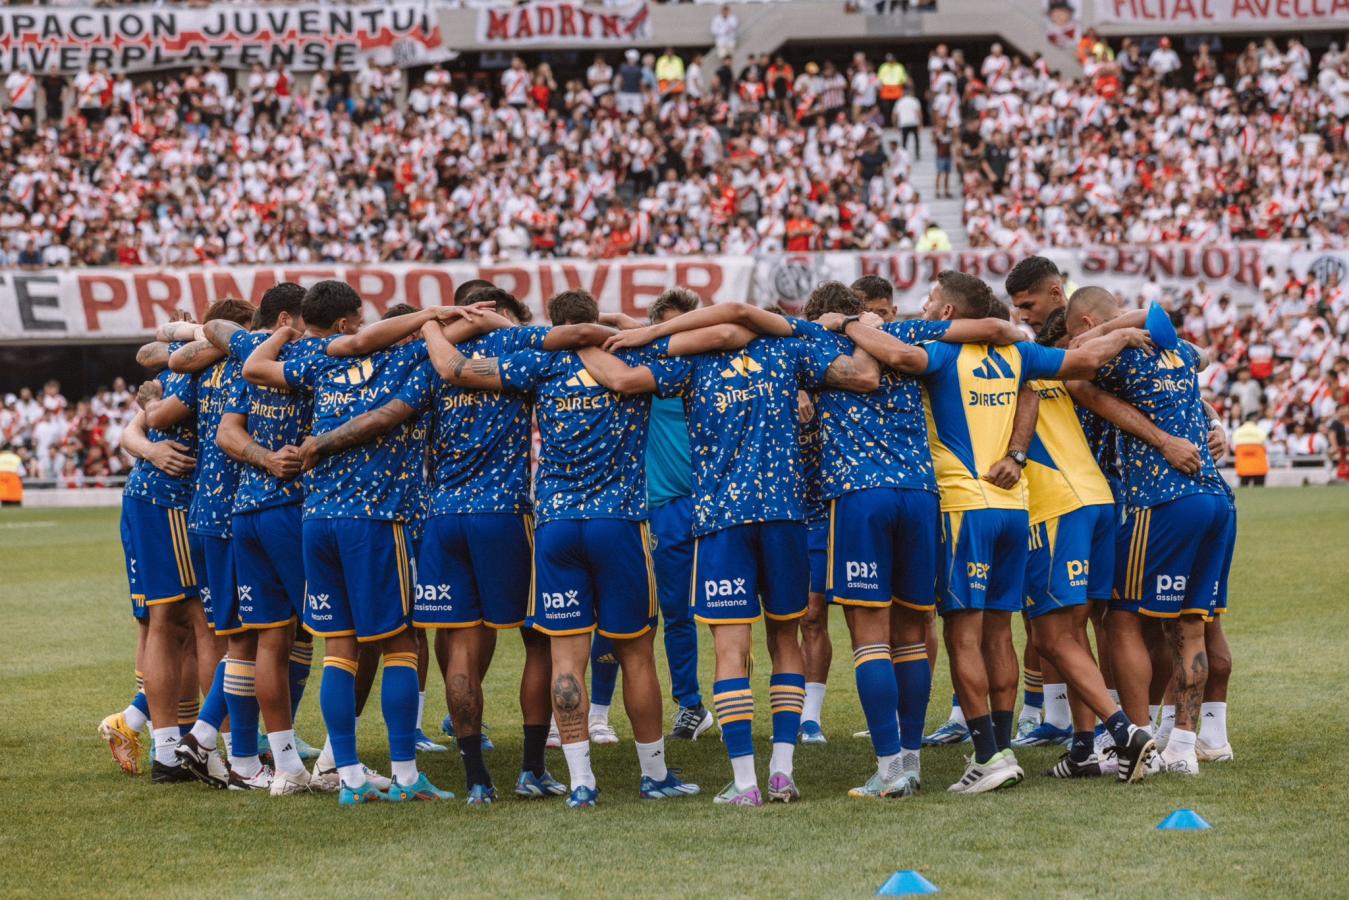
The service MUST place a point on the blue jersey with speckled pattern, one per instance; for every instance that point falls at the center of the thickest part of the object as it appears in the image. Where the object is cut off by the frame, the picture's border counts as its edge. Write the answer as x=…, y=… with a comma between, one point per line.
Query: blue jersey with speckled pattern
x=1164, y=385
x=217, y=474
x=149, y=483
x=1103, y=438
x=744, y=431
x=592, y=464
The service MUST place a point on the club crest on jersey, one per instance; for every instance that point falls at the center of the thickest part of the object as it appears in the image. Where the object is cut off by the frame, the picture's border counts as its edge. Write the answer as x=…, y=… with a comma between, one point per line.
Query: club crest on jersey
x=354, y=375
x=743, y=365
x=994, y=367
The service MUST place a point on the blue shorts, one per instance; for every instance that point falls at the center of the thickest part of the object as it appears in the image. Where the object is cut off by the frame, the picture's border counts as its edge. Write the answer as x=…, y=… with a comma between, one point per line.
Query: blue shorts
x=883, y=548
x=160, y=568
x=1172, y=559
x=473, y=569
x=269, y=566
x=817, y=544
x=1071, y=561
x=1220, y=599
x=138, y=608
x=943, y=164
x=358, y=578
x=593, y=574
x=738, y=568
x=219, y=596
x=983, y=563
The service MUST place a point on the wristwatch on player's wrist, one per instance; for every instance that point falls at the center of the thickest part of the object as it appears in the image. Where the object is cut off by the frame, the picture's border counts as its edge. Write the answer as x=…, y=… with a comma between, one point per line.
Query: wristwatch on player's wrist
x=1018, y=457
x=848, y=321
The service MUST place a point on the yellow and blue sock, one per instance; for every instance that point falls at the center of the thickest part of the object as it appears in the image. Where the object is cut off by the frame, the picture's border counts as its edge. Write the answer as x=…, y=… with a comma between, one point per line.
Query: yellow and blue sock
x=213, y=710
x=786, y=698
x=337, y=702
x=139, y=700
x=734, y=704
x=188, y=710
x=241, y=699
x=398, y=700
x=301, y=659
x=913, y=678
x=879, y=693
x=1033, y=698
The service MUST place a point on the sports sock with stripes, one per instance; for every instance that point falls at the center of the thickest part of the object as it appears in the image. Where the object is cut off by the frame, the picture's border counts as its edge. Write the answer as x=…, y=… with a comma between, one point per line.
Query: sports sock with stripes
x=786, y=696
x=1083, y=744
x=297, y=671
x=913, y=677
x=1057, y=711
x=241, y=699
x=734, y=704
x=166, y=741
x=398, y=701
x=337, y=701
x=284, y=754
x=1033, y=697
x=879, y=694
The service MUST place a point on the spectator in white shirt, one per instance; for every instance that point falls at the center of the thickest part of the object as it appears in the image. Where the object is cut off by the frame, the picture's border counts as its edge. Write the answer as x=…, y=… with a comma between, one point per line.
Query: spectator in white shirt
x=908, y=119
x=1164, y=62
x=725, y=31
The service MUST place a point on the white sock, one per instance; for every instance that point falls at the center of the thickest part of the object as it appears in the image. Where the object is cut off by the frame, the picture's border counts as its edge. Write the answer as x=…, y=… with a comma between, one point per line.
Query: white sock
x=166, y=741
x=246, y=766
x=889, y=766
x=957, y=714
x=781, y=760
x=911, y=760
x=652, y=759
x=135, y=719
x=205, y=734
x=352, y=776
x=421, y=707
x=742, y=769
x=1114, y=696
x=1057, y=712
x=1168, y=721
x=599, y=712
x=1181, y=743
x=404, y=771
x=578, y=764
x=286, y=757
x=1030, y=714
x=325, y=760
x=227, y=739
x=1153, y=710
x=1213, y=724
x=814, y=702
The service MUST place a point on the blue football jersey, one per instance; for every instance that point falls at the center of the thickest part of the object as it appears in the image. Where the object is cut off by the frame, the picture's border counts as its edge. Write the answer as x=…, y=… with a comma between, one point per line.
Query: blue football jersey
x=812, y=445
x=744, y=431
x=592, y=459
x=480, y=440
x=877, y=439
x=1103, y=438
x=368, y=481
x=217, y=473
x=276, y=418
x=149, y=483
x=1164, y=385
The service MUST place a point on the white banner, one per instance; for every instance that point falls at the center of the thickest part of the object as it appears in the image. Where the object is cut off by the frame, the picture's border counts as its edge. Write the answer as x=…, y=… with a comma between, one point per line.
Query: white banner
x=1255, y=15
x=130, y=303
x=560, y=22
x=139, y=38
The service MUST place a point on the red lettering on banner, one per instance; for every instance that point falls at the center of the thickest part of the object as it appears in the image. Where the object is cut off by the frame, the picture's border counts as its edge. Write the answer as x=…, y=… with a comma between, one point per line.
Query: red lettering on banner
x=1160, y=259
x=936, y=263
x=412, y=288
x=629, y=289
x=999, y=263
x=547, y=21
x=377, y=296
x=971, y=263
x=147, y=301
x=498, y=25
x=609, y=26
x=586, y=19
x=304, y=277
x=196, y=290
x=1248, y=265
x=568, y=28
x=572, y=276
x=520, y=280
x=904, y=271
x=710, y=283
x=1247, y=8
x=96, y=301
x=1215, y=263
x=1184, y=8
x=1187, y=264
x=523, y=26
x=1094, y=263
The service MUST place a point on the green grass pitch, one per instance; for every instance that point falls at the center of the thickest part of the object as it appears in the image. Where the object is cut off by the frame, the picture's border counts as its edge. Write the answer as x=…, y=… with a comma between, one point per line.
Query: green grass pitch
x=73, y=824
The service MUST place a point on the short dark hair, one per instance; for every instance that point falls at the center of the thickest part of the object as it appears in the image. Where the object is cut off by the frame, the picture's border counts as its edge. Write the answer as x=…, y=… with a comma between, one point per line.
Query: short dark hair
x=327, y=301
x=678, y=298
x=231, y=309
x=833, y=296
x=573, y=308
x=969, y=295
x=502, y=302
x=874, y=287
x=399, y=309
x=286, y=297
x=999, y=310
x=472, y=286
x=1029, y=274
x=1054, y=329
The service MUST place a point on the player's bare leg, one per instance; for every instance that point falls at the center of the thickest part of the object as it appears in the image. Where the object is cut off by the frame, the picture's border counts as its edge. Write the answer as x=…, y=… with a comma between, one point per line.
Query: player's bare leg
x=1132, y=663
x=570, y=655
x=463, y=695
x=642, y=700
x=967, y=633
x=169, y=631
x=1213, y=744
x=1003, y=675
x=1190, y=669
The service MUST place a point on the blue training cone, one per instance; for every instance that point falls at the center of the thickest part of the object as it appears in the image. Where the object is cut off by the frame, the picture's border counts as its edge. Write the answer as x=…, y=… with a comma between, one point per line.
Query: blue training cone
x=906, y=883
x=1183, y=820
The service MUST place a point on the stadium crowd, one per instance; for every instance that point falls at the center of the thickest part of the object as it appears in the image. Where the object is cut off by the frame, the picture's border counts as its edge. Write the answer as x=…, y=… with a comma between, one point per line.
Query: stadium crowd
x=68, y=444
x=670, y=154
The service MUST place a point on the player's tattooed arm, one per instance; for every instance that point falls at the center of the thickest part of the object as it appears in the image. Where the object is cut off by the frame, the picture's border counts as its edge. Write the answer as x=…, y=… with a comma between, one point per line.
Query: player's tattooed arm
x=219, y=332
x=153, y=356
x=1180, y=453
x=574, y=337
x=178, y=332
x=1085, y=359
x=886, y=349
x=457, y=369
x=616, y=375
x=711, y=339
x=262, y=366
x=170, y=457
x=358, y=430
x=982, y=331
x=196, y=357
x=760, y=321
x=166, y=413
x=232, y=436
x=387, y=332
x=1006, y=472
x=858, y=373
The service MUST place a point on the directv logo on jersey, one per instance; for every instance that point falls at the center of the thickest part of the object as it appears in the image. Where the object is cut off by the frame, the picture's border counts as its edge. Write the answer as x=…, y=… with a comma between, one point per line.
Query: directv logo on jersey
x=861, y=575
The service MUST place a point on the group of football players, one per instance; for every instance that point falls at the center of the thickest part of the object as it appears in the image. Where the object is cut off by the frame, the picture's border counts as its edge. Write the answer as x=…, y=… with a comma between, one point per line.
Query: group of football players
x=302, y=475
